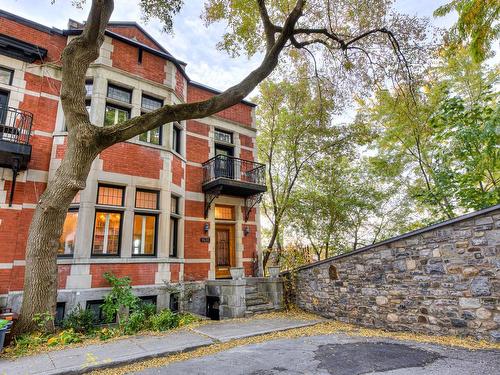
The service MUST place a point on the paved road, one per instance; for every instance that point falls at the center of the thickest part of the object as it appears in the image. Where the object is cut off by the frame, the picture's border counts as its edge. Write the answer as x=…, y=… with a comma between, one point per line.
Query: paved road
x=339, y=355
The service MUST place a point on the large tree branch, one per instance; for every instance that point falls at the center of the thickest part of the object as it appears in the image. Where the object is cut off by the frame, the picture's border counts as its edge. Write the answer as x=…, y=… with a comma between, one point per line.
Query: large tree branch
x=169, y=113
x=269, y=28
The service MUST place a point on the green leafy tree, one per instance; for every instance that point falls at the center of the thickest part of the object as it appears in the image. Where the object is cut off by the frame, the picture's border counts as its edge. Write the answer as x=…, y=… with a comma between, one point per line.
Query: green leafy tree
x=477, y=25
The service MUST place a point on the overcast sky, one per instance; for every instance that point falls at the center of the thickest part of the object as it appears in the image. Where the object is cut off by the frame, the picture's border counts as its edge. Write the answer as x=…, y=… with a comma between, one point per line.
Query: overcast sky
x=191, y=42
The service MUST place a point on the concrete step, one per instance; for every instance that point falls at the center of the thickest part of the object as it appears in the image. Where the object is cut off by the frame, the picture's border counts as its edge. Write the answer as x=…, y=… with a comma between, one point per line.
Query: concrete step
x=263, y=307
x=256, y=301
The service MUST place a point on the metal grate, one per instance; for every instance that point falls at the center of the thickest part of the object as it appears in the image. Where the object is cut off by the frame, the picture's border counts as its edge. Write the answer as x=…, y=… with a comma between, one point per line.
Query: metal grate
x=15, y=125
x=224, y=166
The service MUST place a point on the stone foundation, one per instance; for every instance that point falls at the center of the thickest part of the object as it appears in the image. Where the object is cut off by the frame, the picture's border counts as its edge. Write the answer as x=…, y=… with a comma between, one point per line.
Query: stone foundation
x=443, y=279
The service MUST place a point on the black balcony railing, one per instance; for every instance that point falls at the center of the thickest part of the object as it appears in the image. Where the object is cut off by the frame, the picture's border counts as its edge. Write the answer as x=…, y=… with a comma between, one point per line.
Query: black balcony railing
x=15, y=125
x=223, y=166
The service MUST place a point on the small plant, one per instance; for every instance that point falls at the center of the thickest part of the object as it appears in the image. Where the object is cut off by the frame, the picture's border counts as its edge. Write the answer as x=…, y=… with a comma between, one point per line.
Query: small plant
x=185, y=319
x=44, y=321
x=135, y=322
x=147, y=308
x=80, y=320
x=164, y=320
x=120, y=300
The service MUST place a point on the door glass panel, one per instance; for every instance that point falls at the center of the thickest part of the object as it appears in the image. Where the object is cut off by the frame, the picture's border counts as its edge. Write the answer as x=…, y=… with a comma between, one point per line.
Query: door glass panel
x=222, y=247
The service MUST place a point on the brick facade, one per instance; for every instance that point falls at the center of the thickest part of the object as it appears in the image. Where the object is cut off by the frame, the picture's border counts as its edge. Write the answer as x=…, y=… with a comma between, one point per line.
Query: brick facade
x=136, y=62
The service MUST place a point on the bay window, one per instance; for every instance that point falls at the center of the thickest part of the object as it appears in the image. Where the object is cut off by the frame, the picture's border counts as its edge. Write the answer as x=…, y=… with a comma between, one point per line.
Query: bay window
x=145, y=223
x=108, y=221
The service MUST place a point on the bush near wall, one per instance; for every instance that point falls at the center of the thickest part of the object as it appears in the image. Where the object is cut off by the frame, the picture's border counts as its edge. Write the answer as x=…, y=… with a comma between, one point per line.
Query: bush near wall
x=443, y=279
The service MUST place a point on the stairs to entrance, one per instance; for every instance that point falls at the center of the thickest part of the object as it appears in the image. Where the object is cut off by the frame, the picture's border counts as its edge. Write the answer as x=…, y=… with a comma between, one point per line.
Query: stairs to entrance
x=256, y=302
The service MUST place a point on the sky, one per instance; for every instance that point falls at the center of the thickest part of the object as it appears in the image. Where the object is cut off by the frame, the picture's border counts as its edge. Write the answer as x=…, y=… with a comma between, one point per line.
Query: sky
x=191, y=42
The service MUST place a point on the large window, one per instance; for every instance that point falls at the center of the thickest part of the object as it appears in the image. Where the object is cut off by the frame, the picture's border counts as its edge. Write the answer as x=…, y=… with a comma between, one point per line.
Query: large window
x=116, y=113
x=174, y=226
x=108, y=222
x=150, y=104
x=68, y=237
x=145, y=223
x=176, y=138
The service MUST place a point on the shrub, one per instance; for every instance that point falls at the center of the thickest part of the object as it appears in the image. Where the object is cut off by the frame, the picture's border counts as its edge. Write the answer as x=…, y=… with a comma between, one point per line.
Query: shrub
x=164, y=320
x=135, y=322
x=120, y=298
x=43, y=321
x=80, y=320
x=147, y=308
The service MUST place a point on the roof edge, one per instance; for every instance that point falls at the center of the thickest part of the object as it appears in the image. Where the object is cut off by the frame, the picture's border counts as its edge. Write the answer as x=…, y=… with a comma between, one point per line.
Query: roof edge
x=27, y=22
x=403, y=236
x=215, y=91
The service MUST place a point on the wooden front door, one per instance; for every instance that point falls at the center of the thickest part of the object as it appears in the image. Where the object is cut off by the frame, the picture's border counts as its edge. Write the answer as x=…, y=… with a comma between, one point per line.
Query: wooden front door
x=224, y=250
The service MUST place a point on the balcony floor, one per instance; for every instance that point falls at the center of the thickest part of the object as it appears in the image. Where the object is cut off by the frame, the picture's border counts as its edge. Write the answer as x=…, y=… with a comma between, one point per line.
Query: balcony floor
x=234, y=187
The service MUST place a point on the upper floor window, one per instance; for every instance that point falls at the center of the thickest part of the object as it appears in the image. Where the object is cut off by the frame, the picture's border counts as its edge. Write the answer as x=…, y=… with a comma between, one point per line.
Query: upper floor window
x=6, y=76
x=222, y=136
x=119, y=93
x=176, y=138
x=150, y=104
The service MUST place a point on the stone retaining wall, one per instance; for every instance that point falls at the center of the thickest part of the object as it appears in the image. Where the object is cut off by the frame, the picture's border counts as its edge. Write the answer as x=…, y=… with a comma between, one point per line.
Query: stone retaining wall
x=443, y=279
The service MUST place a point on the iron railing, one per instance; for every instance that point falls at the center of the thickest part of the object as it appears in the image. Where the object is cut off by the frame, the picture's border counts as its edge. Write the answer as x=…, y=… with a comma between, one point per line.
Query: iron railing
x=223, y=166
x=15, y=125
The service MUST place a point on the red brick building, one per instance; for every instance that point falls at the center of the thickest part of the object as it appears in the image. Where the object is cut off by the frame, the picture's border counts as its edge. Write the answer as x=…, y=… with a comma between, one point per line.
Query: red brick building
x=176, y=204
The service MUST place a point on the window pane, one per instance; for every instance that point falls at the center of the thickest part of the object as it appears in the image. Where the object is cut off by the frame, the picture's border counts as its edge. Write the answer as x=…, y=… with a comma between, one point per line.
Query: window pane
x=106, y=233
x=174, y=205
x=115, y=115
x=119, y=93
x=221, y=136
x=5, y=76
x=224, y=212
x=146, y=199
x=68, y=237
x=151, y=136
x=174, y=225
x=151, y=103
x=112, y=196
x=144, y=235
x=176, y=139
x=89, y=85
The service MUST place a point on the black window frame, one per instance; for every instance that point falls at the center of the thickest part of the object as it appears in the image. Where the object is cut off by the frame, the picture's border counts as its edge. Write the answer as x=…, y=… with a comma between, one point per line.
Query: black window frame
x=177, y=131
x=120, y=233
x=122, y=188
x=59, y=317
x=174, y=302
x=119, y=88
x=157, y=192
x=155, y=243
x=101, y=319
x=175, y=217
x=118, y=107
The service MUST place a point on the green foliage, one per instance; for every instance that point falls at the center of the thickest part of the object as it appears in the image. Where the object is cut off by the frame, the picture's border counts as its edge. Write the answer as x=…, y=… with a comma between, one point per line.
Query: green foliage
x=44, y=321
x=135, y=322
x=80, y=320
x=107, y=333
x=164, y=320
x=120, y=299
x=477, y=24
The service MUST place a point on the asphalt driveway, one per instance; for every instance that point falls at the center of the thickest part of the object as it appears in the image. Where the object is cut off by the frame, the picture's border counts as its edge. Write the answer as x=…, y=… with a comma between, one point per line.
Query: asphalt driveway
x=339, y=354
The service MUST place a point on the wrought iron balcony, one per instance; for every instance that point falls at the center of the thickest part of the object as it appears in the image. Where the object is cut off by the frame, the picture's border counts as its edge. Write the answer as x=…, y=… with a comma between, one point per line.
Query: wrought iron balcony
x=15, y=150
x=234, y=176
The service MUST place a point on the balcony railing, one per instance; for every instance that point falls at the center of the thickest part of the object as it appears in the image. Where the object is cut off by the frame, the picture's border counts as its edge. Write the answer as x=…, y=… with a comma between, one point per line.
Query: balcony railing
x=15, y=125
x=229, y=167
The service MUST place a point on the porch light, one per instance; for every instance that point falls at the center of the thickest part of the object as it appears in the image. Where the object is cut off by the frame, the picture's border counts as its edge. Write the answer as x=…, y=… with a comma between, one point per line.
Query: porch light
x=205, y=227
x=246, y=231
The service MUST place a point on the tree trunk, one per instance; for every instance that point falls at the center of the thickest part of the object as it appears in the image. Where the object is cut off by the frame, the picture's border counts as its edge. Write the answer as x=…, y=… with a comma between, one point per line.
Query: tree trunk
x=40, y=277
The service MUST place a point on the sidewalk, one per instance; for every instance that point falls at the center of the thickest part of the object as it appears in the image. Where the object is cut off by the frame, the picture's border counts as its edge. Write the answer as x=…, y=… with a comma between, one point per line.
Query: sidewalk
x=83, y=359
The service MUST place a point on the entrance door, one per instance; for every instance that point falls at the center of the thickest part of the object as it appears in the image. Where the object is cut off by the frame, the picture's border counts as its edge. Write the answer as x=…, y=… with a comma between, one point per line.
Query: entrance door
x=224, y=250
